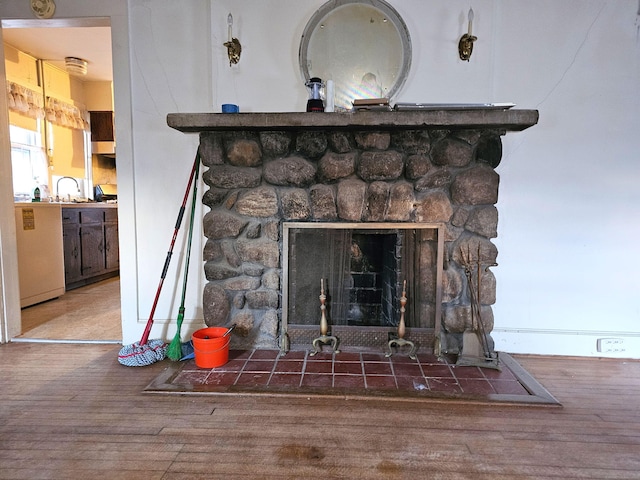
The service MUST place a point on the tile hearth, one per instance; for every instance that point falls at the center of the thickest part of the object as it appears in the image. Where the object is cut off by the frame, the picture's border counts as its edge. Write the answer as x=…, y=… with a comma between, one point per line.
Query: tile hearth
x=354, y=374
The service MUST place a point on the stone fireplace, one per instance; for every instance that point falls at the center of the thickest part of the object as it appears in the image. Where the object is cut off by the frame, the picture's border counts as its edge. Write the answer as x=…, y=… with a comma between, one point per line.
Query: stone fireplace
x=364, y=201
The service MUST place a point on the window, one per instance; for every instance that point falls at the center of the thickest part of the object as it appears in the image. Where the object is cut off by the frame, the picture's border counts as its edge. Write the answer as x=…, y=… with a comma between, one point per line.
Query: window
x=29, y=164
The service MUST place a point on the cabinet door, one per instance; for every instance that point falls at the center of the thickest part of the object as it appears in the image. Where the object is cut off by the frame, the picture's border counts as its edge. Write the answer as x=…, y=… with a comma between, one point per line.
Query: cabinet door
x=111, y=246
x=101, y=126
x=71, y=242
x=92, y=249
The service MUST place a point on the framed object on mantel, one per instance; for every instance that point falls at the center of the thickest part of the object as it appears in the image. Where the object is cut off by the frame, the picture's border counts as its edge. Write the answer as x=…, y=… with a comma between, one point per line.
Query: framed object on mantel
x=363, y=46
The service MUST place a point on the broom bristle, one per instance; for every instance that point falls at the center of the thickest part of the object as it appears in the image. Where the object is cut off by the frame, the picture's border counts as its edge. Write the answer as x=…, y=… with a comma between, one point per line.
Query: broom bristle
x=174, y=351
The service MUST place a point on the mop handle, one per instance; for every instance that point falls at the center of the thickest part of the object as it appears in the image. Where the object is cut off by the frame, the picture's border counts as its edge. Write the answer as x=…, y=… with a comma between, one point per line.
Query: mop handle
x=147, y=330
x=188, y=256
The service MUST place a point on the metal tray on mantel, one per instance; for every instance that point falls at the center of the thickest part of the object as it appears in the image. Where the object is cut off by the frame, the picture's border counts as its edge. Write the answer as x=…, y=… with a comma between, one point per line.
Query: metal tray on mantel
x=453, y=106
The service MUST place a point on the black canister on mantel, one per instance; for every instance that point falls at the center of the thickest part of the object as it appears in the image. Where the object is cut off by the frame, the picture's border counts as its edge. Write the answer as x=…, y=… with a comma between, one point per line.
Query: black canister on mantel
x=315, y=102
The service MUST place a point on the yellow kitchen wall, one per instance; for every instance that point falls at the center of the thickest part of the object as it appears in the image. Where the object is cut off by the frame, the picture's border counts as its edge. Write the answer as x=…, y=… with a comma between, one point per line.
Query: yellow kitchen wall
x=67, y=146
x=98, y=96
x=68, y=152
x=23, y=70
x=24, y=122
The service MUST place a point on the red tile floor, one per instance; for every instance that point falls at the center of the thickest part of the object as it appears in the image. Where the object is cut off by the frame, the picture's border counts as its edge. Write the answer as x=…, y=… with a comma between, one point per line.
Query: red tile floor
x=353, y=373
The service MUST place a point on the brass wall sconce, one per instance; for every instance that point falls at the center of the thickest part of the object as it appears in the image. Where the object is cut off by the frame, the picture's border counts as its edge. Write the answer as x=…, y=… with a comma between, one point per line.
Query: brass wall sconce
x=465, y=45
x=234, y=49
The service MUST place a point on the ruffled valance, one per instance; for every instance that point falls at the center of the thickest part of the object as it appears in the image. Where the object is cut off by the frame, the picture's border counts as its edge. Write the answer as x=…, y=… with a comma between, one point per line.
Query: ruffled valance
x=31, y=103
x=66, y=114
x=25, y=101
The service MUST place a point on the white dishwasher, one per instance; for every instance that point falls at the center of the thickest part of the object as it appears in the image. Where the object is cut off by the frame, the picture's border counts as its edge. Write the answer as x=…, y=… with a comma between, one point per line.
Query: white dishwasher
x=40, y=251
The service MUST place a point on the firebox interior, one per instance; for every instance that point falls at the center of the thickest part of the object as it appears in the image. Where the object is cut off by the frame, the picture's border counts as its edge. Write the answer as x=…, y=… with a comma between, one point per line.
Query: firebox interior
x=362, y=267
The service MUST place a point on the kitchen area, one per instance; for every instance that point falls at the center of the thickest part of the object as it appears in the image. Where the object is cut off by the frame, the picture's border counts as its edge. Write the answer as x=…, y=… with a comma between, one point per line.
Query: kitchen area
x=61, y=123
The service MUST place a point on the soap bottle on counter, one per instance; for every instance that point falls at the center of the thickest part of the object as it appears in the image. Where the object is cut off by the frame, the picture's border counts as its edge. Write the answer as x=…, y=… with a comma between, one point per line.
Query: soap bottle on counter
x=36, y=194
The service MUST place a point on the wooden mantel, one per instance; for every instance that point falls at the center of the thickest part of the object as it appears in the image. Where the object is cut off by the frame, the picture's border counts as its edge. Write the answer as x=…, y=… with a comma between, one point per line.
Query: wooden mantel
x=507, y=120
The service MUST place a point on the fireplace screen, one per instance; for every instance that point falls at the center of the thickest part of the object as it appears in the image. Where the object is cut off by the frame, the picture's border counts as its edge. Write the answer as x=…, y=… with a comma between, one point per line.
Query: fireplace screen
x=362, y=267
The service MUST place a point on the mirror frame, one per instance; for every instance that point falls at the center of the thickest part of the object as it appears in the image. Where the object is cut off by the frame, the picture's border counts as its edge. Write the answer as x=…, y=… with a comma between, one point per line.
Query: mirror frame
x=387, y=10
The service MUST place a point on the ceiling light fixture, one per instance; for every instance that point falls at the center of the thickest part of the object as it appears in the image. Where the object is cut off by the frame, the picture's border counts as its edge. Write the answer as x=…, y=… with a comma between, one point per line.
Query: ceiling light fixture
x=75, y=65
x=43, y=8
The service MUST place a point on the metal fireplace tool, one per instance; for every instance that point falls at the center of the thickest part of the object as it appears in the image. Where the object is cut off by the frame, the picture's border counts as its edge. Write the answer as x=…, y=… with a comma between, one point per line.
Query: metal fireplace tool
x=324, y=327
x=400, y=341
x=476, y=350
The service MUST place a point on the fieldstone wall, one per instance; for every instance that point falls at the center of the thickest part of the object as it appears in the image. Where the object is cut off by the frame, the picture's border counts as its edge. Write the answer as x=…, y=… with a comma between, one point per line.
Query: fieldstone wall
x=257, y=179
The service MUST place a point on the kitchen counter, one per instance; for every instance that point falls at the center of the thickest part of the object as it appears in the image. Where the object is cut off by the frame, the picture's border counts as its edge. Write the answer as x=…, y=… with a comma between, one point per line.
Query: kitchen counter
x=89, y=205
x=40, y=251
x=81, y=246
x=68, y=204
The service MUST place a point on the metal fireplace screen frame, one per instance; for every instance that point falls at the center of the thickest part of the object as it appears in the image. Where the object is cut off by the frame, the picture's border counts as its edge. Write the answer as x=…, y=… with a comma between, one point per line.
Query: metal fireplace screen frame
x=300, y=334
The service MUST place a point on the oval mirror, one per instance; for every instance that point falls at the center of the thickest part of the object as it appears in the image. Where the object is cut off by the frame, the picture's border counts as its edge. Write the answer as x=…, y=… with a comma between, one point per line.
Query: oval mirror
x=363, y=46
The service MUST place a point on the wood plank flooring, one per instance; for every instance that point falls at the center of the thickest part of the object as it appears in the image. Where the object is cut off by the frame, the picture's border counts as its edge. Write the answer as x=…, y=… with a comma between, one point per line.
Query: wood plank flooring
x=72, y=411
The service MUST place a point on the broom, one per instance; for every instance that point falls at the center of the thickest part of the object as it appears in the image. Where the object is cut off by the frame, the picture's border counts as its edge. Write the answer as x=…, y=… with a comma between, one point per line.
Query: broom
x=145, y=352
x=174, y=352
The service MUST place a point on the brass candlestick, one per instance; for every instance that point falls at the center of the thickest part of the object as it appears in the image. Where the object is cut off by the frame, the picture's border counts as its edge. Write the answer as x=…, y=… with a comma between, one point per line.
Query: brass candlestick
x=465, y=45
x=324, y=327
x=400, y=341
x=234, y=49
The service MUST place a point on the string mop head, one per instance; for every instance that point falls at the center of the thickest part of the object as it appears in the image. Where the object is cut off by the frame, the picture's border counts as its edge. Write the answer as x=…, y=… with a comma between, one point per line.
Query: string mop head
x=136, y=355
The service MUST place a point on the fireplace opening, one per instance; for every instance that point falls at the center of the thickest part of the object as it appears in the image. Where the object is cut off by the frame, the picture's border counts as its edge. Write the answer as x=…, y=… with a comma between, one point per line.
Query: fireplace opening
x=371, y=278
x=362, y=268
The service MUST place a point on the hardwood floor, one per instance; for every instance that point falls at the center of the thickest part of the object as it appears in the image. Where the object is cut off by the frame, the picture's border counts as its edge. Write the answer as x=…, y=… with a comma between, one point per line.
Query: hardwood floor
x=90, y=313
x=72, y=411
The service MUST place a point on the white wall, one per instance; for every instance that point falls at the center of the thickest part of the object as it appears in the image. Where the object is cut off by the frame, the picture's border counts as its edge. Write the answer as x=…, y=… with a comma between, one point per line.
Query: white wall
x=170, y=72
x=569, y=200
x=569, y=206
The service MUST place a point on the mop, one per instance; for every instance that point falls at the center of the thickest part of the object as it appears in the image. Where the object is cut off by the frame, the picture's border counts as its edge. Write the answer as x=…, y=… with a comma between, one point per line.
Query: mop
x=146, y=352
x=174, y=352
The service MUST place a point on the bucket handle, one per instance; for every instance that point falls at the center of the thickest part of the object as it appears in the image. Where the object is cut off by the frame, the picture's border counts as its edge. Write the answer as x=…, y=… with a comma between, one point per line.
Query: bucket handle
x=214, y=351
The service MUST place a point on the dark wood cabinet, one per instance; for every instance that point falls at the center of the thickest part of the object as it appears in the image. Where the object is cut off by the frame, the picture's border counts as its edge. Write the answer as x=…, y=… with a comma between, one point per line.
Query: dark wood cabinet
x=101, y=126
x=90, y=245
x=112, y=251
x=71, y=246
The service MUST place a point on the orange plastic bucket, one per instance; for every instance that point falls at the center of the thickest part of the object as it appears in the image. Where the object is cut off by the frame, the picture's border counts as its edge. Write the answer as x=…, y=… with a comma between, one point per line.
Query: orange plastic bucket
x=210, y=348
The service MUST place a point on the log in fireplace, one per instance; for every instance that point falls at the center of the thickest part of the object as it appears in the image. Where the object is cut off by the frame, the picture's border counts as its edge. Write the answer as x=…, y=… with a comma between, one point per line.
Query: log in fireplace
x=364, y=201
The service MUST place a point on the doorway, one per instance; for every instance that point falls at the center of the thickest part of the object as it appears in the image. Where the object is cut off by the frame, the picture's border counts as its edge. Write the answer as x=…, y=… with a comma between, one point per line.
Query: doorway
x=91, y=313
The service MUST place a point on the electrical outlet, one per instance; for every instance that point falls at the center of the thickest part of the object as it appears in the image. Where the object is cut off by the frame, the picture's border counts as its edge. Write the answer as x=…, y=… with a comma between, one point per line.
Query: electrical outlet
x=611, y=345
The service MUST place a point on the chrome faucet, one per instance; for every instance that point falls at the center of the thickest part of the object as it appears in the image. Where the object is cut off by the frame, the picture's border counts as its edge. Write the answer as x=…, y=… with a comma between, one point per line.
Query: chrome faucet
x=58, y=187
